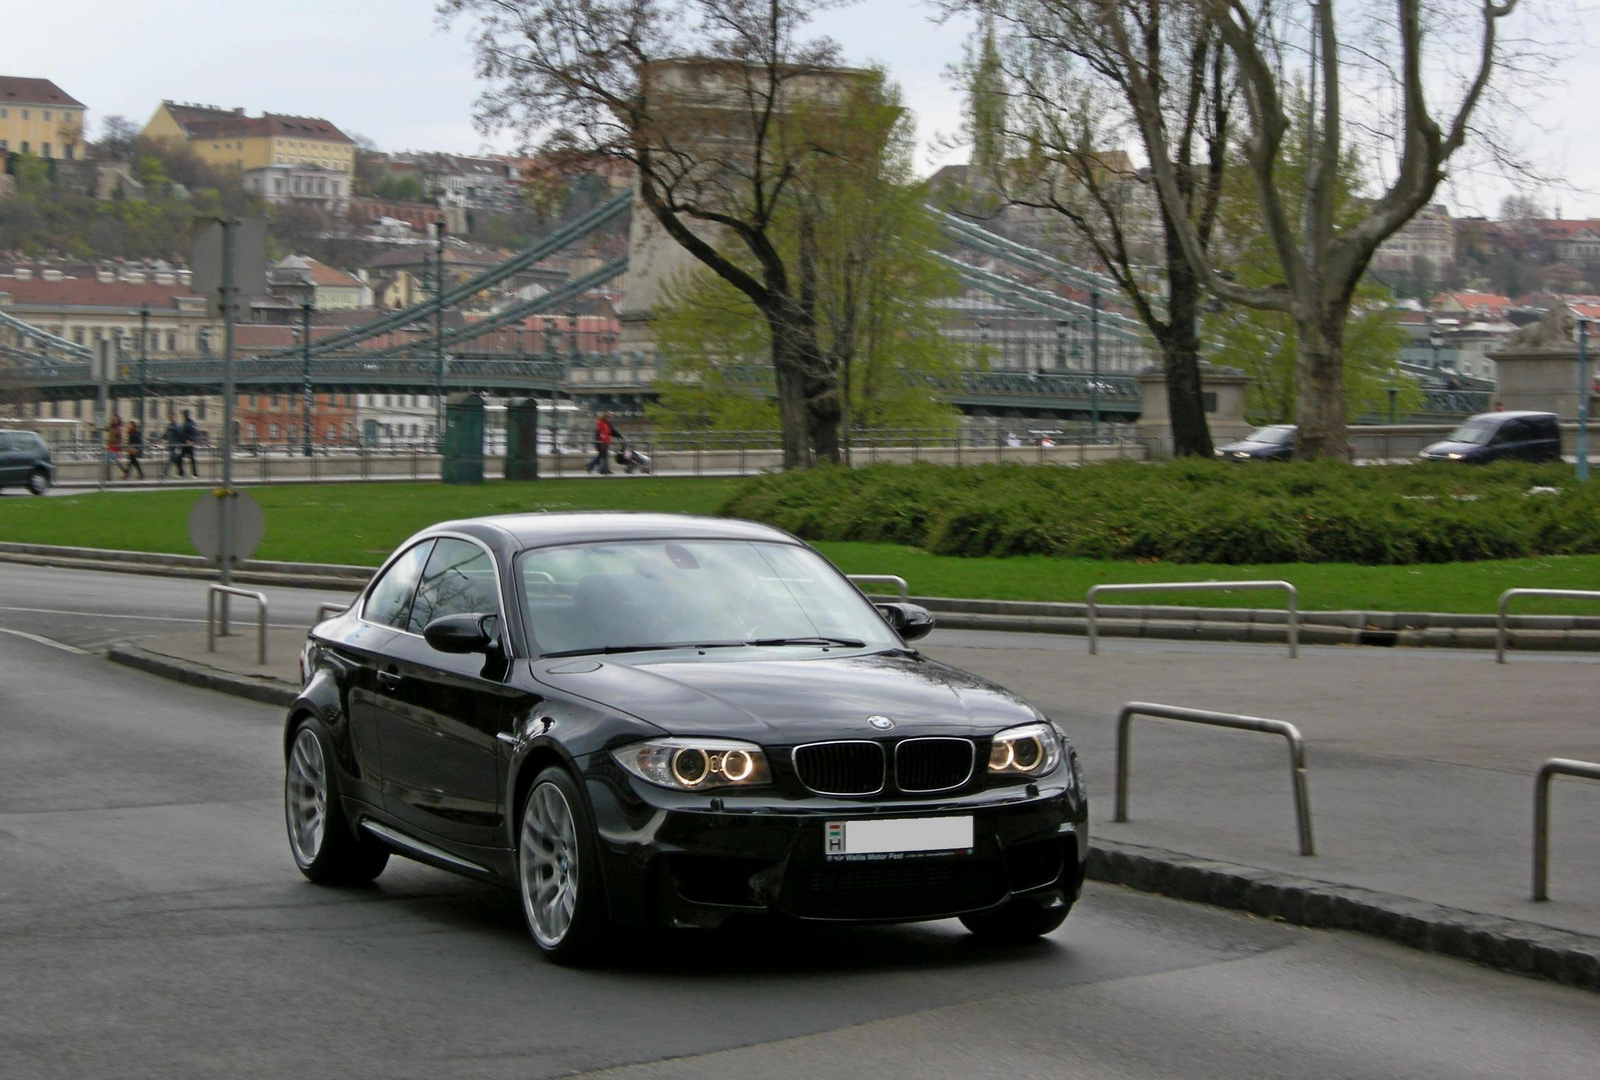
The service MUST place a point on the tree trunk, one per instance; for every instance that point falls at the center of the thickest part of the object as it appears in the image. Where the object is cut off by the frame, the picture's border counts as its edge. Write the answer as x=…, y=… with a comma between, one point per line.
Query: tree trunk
x=1180, y=362
x=792, y=419
x=1319, y=385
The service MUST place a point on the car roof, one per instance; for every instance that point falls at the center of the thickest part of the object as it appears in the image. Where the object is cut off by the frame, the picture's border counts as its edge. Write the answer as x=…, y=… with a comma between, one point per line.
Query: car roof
x=1525, y=414
x=510, y=532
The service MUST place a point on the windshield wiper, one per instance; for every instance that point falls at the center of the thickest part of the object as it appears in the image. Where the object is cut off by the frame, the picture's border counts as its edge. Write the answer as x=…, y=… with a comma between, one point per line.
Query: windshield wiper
x=606, y=649
x=848, y=643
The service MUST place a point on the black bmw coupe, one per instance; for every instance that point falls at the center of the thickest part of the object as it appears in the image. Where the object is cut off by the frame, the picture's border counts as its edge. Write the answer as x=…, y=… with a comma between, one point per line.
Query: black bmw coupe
x=655, y=720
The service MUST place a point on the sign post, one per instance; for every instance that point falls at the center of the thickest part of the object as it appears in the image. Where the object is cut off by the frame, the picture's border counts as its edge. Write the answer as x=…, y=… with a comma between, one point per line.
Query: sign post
x=103, y=369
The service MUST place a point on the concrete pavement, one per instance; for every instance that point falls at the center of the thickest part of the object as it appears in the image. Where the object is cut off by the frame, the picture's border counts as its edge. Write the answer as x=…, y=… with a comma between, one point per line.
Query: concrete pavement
x=1421, y=764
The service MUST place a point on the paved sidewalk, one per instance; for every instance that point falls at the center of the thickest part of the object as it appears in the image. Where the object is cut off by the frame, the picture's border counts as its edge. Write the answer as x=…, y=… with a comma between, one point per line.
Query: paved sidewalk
x=1421, y=762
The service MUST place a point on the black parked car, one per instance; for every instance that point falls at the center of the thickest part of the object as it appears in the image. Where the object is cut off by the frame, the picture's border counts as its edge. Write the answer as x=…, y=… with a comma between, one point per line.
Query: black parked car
x=1500, y=436
x=658, y=720
x=25, y=461
x=1272, y=443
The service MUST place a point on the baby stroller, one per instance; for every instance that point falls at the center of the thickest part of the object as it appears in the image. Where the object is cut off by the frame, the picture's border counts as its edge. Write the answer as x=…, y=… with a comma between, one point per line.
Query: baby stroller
x=632, y=460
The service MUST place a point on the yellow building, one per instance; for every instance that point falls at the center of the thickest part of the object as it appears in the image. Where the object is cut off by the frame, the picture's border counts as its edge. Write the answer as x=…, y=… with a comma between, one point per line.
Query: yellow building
x=38, y=117
x=229, y=138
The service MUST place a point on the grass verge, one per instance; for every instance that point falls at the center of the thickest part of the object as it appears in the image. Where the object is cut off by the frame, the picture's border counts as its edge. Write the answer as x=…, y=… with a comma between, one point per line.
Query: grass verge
x=361, y=523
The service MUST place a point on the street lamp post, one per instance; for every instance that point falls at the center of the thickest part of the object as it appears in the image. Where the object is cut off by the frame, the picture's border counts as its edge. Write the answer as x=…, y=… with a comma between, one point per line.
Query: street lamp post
x=144, y=337
x=1094, y=364
x=305, y=378
x=1393, y=390
x=1583, y=400
x=1061, y=345
x=438, y=326
x=1436, y=339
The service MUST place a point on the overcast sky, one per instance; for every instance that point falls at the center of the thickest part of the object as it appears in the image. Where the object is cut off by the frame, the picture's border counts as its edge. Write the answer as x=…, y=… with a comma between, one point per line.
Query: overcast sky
x=384, y=69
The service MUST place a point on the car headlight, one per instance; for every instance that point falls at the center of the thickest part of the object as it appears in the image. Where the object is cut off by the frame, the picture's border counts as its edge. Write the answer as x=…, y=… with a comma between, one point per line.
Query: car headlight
x=1241, y=453
x=1217, y=452
x=309, y=655
x=1455, y=457
x=687, y=764
x=1029, y=750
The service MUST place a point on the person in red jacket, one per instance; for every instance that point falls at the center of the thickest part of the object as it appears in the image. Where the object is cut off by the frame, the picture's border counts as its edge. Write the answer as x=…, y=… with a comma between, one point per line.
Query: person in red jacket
x=604, y=432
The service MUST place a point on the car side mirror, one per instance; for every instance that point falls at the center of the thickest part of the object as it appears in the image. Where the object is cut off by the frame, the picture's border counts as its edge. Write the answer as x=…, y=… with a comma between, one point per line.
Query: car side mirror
x=463, y=633
x=910, y=621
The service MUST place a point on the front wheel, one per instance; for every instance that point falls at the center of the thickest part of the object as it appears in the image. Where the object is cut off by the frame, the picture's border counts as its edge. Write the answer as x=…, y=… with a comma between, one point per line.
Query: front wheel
x=325, y=848
x=1018, y=920
x=558, y=870
x=38, y=481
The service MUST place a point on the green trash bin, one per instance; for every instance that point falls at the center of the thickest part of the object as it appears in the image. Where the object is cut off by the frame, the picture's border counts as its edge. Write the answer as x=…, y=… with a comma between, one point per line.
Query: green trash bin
x=522, y=440
x=462, y=462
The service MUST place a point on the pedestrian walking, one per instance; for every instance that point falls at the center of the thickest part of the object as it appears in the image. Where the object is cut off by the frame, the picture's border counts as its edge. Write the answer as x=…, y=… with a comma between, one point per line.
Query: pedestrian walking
x=173, y=437
x=133, y=443
x=188, y=436
x=114, y=441
x=604, y=432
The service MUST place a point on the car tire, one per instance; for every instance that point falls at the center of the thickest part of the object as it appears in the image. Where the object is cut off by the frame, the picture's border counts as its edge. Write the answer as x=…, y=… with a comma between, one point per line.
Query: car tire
x=558, y=870
x=1018, y=920
x=38, y=482
x=325, y=847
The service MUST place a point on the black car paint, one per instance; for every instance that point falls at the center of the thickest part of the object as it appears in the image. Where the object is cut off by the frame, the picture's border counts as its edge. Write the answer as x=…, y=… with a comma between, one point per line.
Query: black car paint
x=449, y=765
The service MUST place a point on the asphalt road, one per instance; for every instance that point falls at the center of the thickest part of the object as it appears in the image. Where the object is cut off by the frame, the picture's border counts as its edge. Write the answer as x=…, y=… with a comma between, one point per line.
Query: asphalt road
x=152, y=924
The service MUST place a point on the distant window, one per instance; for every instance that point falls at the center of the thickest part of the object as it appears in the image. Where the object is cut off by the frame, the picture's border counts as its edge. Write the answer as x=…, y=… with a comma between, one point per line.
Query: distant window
x=200, y=408
x=274, y=401
x=45, y=115
x=5, y=144
x=77, y=331
x=24, y=114
x=67, y=151
x=44, y=149
x=172, y=341
x=272, y=431
x=24, y=141
x=4, y=113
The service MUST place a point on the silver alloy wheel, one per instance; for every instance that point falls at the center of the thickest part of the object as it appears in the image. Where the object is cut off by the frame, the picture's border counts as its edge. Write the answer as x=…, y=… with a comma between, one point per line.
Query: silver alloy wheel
x=547, y=860
x=305, y=796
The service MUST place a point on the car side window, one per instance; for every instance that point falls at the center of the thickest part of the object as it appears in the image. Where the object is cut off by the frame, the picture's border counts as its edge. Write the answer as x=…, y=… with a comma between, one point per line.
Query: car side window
x=389, y=602
x=5, y=441
x=1509, y=431
x=458, y=580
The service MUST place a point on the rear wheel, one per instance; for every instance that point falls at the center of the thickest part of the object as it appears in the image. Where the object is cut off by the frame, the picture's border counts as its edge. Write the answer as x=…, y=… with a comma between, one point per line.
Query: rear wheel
x=38, y=481
x=558, y=870
x=1018, y=920
x=325, y=848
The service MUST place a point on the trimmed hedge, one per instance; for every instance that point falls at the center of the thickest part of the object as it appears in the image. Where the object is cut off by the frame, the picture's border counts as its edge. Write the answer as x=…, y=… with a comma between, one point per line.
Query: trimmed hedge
x=1191, y=511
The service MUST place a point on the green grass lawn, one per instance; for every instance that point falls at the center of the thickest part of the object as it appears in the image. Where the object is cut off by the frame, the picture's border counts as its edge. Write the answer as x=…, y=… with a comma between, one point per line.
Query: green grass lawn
x=361, y=523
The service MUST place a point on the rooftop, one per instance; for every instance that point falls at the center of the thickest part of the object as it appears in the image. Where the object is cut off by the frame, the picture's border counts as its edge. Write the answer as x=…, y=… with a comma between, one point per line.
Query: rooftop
x=210, y=122
x=20, y=91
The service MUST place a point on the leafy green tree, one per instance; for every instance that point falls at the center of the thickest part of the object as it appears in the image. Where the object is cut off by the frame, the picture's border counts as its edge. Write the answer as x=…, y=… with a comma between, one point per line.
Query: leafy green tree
x=1264, y=343
x=860, y=223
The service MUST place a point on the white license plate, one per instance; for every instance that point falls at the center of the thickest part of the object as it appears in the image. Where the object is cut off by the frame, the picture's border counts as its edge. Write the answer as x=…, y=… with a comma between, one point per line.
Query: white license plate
x=885, y=836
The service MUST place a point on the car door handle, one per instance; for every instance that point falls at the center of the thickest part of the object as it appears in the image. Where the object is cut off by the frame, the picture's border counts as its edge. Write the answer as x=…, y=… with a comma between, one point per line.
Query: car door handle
x=388, y=679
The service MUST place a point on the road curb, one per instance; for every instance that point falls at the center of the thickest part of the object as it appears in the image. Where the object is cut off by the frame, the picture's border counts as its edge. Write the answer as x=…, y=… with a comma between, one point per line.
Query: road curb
x=269, y=691
x=1495, y=941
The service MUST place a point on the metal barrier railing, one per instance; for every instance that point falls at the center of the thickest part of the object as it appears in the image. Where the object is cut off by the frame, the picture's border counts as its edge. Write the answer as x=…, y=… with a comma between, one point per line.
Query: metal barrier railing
x=1588, y=770
x=1193, y=586
x=212, y=592
x=882, y=579
x=1505, y=598
x=324, y=610
x=1297, y=754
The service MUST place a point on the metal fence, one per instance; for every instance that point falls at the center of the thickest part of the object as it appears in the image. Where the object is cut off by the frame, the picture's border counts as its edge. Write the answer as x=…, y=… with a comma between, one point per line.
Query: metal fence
x=1588, y=770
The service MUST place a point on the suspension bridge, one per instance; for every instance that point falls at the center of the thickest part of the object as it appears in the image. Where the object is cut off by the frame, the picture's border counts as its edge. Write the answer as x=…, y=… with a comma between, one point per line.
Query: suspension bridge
x=410, y=350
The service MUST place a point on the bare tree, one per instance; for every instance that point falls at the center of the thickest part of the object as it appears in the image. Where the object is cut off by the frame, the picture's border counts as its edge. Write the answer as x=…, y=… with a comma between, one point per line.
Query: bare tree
x=1068, y=111
x=1322, y=260
x=715, y=105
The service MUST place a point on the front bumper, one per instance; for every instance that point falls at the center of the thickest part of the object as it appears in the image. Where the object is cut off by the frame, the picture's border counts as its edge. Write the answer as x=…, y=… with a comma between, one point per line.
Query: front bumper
x=696, y=860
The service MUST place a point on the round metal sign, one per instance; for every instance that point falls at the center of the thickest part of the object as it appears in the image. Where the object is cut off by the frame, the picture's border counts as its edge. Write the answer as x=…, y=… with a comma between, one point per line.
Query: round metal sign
x=205, y=525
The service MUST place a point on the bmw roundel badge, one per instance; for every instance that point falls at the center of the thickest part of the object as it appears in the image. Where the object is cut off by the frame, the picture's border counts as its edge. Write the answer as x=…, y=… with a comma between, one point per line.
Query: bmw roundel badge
x=882, y=723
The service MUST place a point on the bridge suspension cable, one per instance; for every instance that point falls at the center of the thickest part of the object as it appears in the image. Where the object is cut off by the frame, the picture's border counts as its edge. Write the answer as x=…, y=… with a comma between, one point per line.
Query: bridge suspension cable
x=977, y=238
x=43, y=338
x=594, y=219
x=1040, y=301
x=538, y=305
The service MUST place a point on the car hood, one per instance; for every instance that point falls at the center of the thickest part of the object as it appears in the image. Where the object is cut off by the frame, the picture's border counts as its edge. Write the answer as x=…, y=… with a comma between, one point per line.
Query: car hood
x=783, y=701
x=1252, y=447
x=1440, y=449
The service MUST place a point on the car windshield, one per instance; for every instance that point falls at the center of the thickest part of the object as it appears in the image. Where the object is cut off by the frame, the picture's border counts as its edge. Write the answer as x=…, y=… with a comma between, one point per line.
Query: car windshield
x=652, y=594
x=1277, y=433
x=1474, y=433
